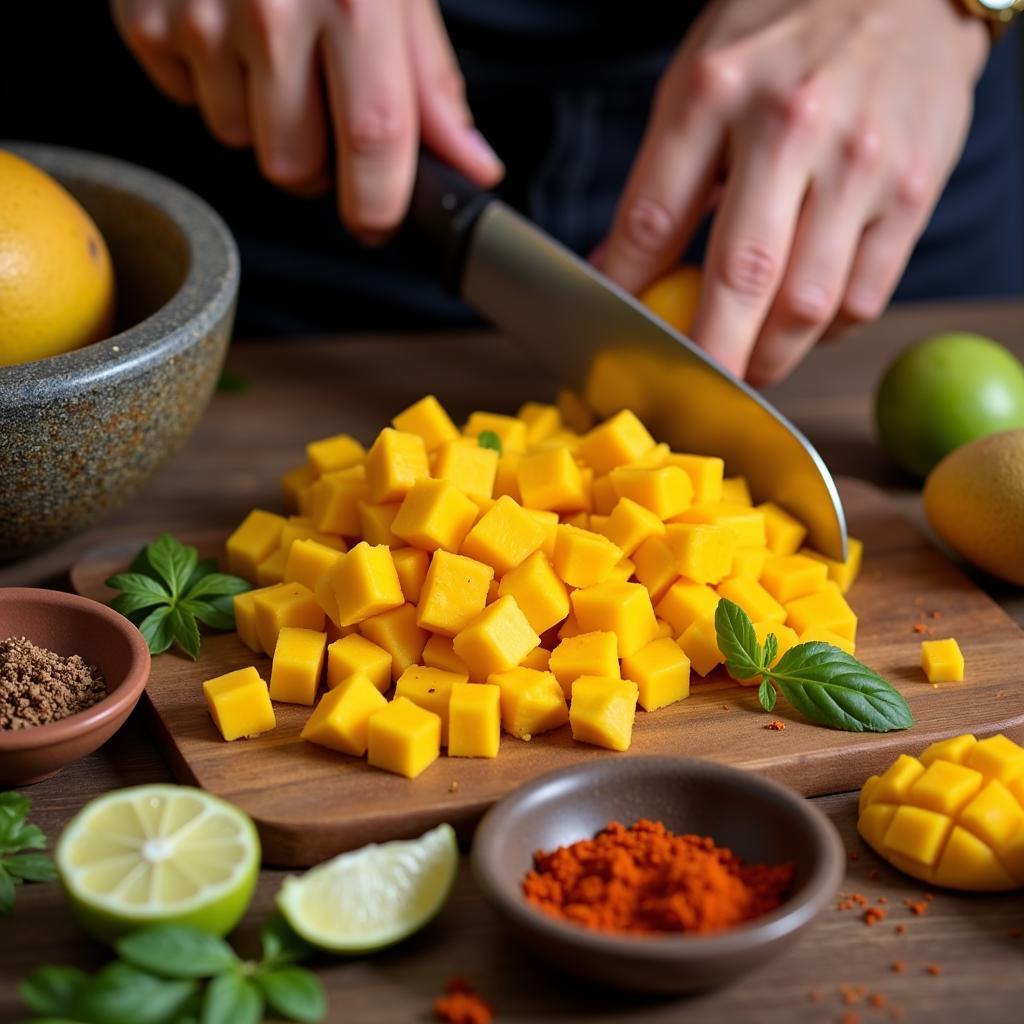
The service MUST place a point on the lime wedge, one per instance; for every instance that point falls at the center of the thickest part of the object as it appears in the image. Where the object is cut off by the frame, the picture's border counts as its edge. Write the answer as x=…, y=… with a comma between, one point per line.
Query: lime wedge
x=373, y=897
x=157, y=855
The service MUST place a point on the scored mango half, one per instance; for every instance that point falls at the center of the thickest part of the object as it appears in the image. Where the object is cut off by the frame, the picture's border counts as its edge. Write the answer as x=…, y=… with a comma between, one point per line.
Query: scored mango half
x=953, y=816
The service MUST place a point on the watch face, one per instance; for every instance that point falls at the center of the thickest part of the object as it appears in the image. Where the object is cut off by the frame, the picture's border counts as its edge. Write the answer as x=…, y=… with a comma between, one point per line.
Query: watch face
x=997, y=5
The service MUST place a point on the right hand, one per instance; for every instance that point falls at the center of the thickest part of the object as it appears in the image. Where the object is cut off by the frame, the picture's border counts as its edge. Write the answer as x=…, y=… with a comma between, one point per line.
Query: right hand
x=254, y=69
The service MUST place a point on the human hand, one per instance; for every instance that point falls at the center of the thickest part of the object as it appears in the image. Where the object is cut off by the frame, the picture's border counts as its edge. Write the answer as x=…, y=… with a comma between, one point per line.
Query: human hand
x=254, y=69
x=823, y=131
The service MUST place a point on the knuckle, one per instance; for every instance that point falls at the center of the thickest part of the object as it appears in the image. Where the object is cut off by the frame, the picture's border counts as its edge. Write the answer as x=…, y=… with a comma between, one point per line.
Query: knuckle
x=862, y=306
x=749, y=268
x=266, y=16
x=289, y=172
x=807, y=303
x=862, y=147
x=648, y=225
x=145, y=35
x=798, y=110
x=715, y=80
x=200, y=25
x=913, y=187
x=377, y=129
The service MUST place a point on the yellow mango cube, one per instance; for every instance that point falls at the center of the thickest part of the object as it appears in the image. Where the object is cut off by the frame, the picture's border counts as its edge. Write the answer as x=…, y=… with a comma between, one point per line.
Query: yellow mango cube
x=945, y=787
x=703, y=552
x=355, y=655
x=654, y=565
x=271, y=569
x=583, y=558
x=666, y=491
x=411, y=565
x=511, y=431
x=664, y=629
x=997, y=757
x=538, y=591
x=364, y=582
x=454, y=592
x=699, y=642
x=575, y=413
x=256, y=538
x=397, y=633
x=341, y=720
x=289, y=604
x=602, y=495
x=629, y=525
x=538, y=658
x=506, y=480
x=621, y=608
x=428, y=419
x=917, y=834
x=431, y=689
x=783, y=533
x=586, y=654
x=375, y=522
x=824, y=609
x=541, y=420
x=301, y=528
x=705, y=473
x=469, y=467
x=549, y=524
x=570, y=627
x=749, y=562
x=293, y=482
x=435, y=514
x=335, y=501
x=504, y=537
x=661, y=672
x=298, y=665
x=787, y=577
x=942, y=661
x=843, y=574
x=735, y=491
x=551, y=480
x=622, y=571
x=474, y=720
x=239, y=703
x=602, y=710
x=439, y=653
x=532, y=702
x=826, y=636
x=333, y=453
x=244, y=606
x=496, y=640
x=685, y=602
x=308, y=560
x=394, y=463
x=580, y=520
x=403, y=738
x=747, y=523
x=658, y=456
x=618, y=441
x=753, y=599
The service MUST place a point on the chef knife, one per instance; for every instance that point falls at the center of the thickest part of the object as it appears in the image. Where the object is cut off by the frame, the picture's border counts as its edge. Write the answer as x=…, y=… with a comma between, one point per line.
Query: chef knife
x=603, y=343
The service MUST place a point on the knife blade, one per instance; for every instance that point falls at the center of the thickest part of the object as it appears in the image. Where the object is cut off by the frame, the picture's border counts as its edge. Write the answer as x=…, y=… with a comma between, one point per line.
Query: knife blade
x=603, y=343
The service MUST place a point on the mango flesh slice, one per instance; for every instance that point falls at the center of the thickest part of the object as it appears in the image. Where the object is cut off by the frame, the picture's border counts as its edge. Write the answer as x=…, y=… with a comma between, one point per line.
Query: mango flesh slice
x=942, y=661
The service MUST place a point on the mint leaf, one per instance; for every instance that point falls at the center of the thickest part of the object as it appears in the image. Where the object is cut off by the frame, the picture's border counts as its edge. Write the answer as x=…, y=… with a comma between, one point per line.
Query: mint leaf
x=281, y=945
x=13, y=803
x=767, y=695
x=137, y=583
x=7, y=884
x=30, y=867
x=158, y=629
x=771, y=649
x=186, y=632
x=295, y=993
x=203, y=568
x=121, y=994
x=176, y=951
x=489, y=439
x=232, y=999
x=737, y=640
x=216, y=612
x=129, y=604
x=173, y=561
x=831, y=687
x=53, y=991
x=217, y=583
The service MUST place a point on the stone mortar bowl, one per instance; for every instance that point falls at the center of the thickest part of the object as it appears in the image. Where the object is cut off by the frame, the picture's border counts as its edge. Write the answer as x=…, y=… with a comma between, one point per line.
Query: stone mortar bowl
x=80, y=433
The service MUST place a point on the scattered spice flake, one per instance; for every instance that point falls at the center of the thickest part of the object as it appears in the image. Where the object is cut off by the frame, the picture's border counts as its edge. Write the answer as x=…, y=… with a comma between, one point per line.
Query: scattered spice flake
x=934, y=970
x=917, y=907
x=897, y=966
x=461, y=1005
x=776, y=726
x=874, y=914
x=901, y=929
x=1015, y=933
x=928, y=897
x=453, y=786
x=920, y=627
x=882, y=899
x=874, y=874
x=878, y=1001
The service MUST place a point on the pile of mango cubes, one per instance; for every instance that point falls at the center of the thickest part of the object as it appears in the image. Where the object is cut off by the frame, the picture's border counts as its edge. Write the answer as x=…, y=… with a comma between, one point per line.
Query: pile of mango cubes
x=518, y=574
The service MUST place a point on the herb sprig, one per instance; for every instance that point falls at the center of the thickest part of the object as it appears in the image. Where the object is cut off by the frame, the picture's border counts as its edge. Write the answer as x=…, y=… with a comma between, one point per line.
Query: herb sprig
x=489, y=439
x=168, y=591
x=824, y=683
x=18, y=838
x=160, y=974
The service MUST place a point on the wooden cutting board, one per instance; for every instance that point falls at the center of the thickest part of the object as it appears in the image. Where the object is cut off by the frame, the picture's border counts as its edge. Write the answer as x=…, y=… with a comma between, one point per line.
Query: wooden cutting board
x=310, y=803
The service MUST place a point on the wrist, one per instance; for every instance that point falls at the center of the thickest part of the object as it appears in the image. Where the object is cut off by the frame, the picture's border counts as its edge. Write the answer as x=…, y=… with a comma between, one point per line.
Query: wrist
x=974, y=33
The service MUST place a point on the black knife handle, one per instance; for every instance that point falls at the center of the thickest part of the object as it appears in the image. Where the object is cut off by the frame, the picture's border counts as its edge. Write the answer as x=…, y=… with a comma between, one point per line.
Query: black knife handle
x=443, y=210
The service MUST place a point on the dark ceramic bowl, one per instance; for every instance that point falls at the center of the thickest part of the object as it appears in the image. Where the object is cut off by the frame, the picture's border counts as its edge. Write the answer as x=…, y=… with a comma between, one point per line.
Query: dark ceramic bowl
x=69, y=624
x=83, y=431
x=758, y=819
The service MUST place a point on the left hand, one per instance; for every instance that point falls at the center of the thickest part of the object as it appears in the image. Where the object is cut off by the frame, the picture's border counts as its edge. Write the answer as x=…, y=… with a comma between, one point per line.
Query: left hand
x=831, y=127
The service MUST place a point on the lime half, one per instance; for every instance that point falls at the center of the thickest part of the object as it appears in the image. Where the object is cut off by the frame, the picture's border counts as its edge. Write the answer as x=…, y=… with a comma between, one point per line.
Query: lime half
x=375, y=896
x=157, y=855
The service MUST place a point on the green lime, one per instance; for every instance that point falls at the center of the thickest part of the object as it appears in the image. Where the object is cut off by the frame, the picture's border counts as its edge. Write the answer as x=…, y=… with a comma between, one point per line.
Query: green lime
x=372, y=897
x=943, y=392
x=158, y=855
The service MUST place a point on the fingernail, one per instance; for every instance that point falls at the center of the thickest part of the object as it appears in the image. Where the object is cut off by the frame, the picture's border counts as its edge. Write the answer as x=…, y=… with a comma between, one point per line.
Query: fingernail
x=482, y=148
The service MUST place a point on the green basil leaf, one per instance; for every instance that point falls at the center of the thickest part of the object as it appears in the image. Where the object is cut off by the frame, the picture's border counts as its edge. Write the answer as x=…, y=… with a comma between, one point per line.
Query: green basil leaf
x=158, y=629
x=53, y=991
x=174, y=561
x=215, y=612
x=232, y=999
x=14, y=804
x=737, y=640
x=295, y=993
x=186, y=632
x=122, y=994
x=489, y=439
x=281, y=945
x=128, y=604
x=142, y=564
x=176, y=951
x=25, y=837
x=137, y=583
x=7, y=884
x=770, y=650
x=766, y=695
x=218, y=583
x=30, y=867
x=203, y=568
x=830, y=687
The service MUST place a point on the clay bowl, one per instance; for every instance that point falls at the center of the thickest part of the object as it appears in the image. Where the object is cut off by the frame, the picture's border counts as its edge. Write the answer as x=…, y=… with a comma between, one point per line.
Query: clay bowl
x=69, y=624
x=760, y=820
x=82, y=432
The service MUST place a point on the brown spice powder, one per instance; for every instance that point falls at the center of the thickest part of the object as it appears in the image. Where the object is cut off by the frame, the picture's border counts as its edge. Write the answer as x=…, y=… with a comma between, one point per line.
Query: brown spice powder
x=38, y=686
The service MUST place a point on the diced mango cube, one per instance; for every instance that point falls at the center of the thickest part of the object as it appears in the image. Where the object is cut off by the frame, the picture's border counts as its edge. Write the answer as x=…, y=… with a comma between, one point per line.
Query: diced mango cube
x=469, y=467
x=825, y=609
x=506, y=480
x=969, y=863
x=364, y=582
x=661, y=672
x=618, y=441
x=735, y=491
x=256, y=538
x=602, y=710
x=666, y=491
x=703, y=552
x=430, y=688
x=917, y=833
x=621, y=572
x=454, y=592
x=439, y=653
x=341, y=720
x=621, y=608
x=602, y=495
x=664, y=629
x=403, y=738
x=629, y=525
x=685, y=602
x=894, y=783
x=355, y=655
x=699, y=642
x=411, y=566
x=428, y=418
x=826, y=636
x=956, y=749
x=753, y=599
x=244, y=606
x=435, y=514
x=293, y=482
x=747, y=523
x=942, y=661
x=576, y=414
x=301, y=528
x=787, y=577
x=532, y=702
x=538, y=591
x=271, y=569
x=549, y=524
x=586, y=654
x=289, y=604
x=397, y=633
x=705, y=473
x=538, y=658
x=655, y=566
x=844, y=574
x=298, y=665
x=496, y=640
x=551, y=480
x=394, y=463
x=308, y=560
x=748, y=562
x=541, y=420
x=997, y=757
x=783, y=533
x=239, y=703
x=474, y=720
x=511, y=431
x=503, y=537
x=945, y=787
x=583, y=558
x=335, y=501
x=570, y=627
x=375, y=523
x=332, y=453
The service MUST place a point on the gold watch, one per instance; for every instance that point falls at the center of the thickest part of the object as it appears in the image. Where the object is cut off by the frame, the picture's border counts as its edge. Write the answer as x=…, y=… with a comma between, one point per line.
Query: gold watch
x=998, y=14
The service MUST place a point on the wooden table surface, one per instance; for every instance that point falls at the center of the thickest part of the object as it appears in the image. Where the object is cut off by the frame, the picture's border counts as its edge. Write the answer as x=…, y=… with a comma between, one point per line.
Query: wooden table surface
x=310, y=388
